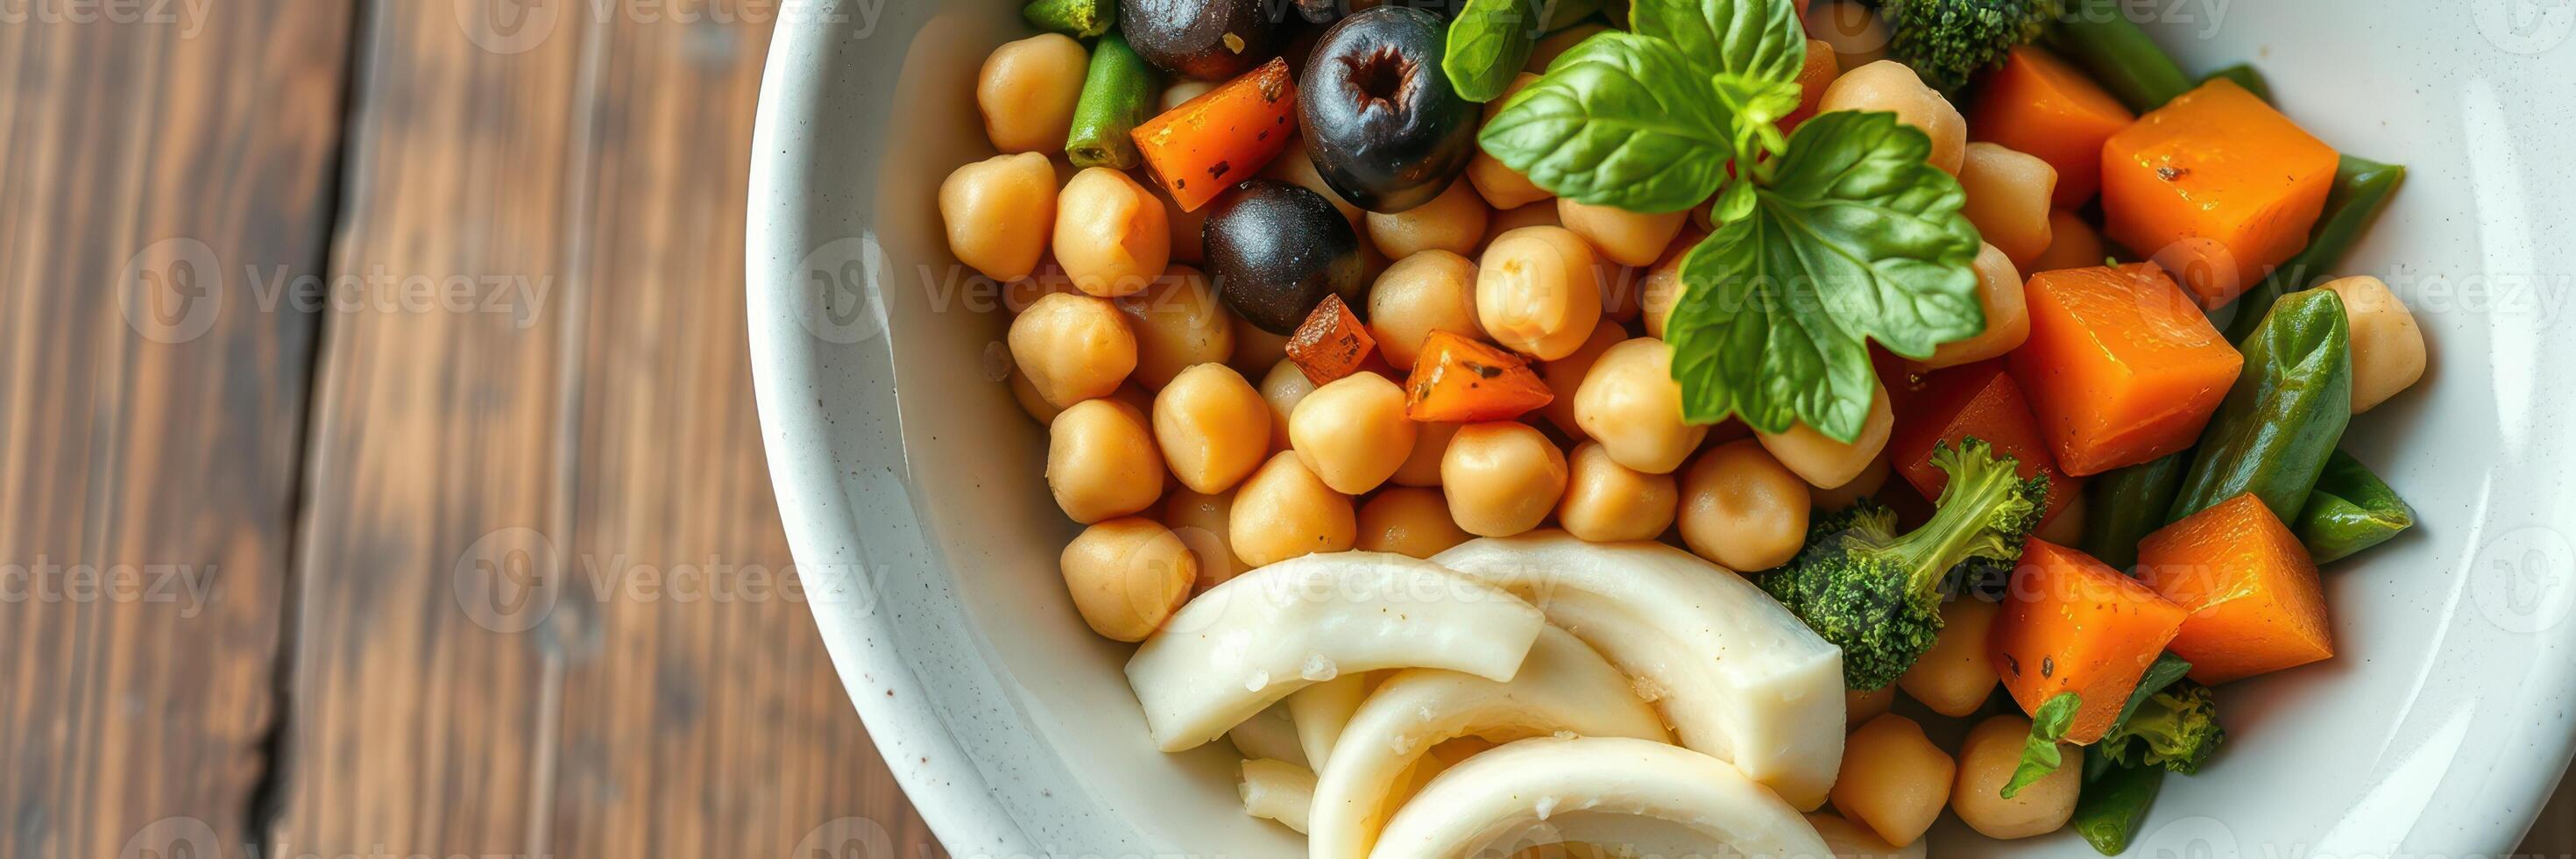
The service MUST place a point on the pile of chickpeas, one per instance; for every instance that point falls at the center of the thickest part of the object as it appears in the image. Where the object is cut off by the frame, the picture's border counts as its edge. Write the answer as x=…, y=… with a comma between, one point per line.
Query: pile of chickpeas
x=1192, y=449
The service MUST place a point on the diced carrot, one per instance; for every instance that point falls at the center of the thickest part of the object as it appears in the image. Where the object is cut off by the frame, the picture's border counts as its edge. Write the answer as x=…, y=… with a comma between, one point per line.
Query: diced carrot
x=1818, y=73
x=1983, y=401
x=1223, y=136
x=1331, y=344
x=1458, y=380
x=2216, y=186
x=2041, y=105
x=2253, y=594
x=2070, y=624
x=2120, y=366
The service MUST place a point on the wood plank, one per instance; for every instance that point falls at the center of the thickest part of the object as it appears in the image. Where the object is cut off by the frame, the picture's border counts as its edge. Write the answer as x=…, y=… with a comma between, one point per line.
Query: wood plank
x=155, y=173
x=602, y=447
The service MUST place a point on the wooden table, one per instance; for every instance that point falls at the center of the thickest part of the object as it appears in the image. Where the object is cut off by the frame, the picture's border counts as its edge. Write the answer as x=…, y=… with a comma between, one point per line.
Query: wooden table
x=326, y=329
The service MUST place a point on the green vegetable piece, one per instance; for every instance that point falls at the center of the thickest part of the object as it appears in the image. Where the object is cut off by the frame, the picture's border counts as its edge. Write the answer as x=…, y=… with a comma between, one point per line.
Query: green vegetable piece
x=1081, y=19
x=2361, y=189
x=2126, y=504
x=2273, y=433
x=2351, y=509
x=1620, y=120
x=2164, y=672
x=2099, y=35
x=1948, y=41
x=2176, y=729
x=1854, y=237
x=2114, y=805
x=1117, y=93
x=1488, y=44
x=1878, y=595
x=2039, y=755
x=1562, y=14
x=2245, y=75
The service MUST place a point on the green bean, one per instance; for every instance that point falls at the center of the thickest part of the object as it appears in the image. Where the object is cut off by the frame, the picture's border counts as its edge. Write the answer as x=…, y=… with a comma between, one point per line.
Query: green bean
x=2245, y=75
x=2127, y=504
x=2099, y=34
x=2361, y=189
x=2273, y=433
x=2114, y=803
x=1116, y=95
x=2350, y=510
x=1081, y=19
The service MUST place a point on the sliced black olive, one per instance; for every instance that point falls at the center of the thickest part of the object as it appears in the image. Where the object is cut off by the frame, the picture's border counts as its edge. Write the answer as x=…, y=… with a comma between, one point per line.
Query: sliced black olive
x=1276, y=250
x=1382, y=124
x=1211, y=40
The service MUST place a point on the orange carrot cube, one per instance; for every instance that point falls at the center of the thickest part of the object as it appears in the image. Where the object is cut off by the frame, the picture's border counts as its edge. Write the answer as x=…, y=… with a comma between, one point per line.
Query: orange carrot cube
x=2216, y=186
x=2070, y=624
x=2256, y=604
x=2043, y=106
x=2120, y=367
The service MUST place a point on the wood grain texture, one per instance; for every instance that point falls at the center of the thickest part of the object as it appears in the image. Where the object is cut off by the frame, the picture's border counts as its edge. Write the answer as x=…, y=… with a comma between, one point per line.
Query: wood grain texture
x=548, y=612
x=154, y=172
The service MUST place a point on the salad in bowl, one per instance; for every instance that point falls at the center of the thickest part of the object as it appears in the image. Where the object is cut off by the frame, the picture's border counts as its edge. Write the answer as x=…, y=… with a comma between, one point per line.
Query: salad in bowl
x=1679, y=427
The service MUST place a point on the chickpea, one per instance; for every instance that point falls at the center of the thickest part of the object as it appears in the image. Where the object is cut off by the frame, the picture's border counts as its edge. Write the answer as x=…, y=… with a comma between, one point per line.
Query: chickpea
x=1178, y=324
x=1999, y=292
x=1541, y=214
x=1893, y=780
x=1564, y=377
x=1853, y=32
x=1538, y=291
x=1284, y=386
x=998, y=213
x=1662, y=289
x=1027, y=92
x=1434, y=290
x=1453, y=222
x=1825, y=462
x=1072, y=347
x=1630, y=402
x=1214, y=429
x=2067, y=528
x=1352, y=432
x=1956, y=676
x=2387, y=346
x=1606, y=502
x=1255, y=350
x=1201, y=521
x=1501, y=186
x=1284, y=511
x=1422, y=467
x=2007, y=198
x=1859, y=706
x=1987, y=759
x=1741, y=509
x=1180, y=93
x=1409, y=521
x=1128, y=576
x=1627, y=238
x=1101, y=462
x=1111, y=235
x=1295, y=169
x=1872, y=478
x=1847, y=840
x=1888, y=85
x=2072, y=243
x=1501, y=478
x=1031, y=401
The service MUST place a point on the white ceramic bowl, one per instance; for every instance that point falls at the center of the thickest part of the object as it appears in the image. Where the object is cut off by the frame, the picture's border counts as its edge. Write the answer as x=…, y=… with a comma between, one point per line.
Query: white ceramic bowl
x=912, y=491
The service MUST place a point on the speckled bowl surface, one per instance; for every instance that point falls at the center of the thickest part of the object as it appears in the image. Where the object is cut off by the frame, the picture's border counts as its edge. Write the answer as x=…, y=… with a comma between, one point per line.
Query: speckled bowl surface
x=912, y=486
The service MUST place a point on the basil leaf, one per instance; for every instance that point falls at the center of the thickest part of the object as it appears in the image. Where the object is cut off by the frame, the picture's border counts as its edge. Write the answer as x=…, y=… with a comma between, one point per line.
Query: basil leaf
x=2039, y=754
x=1488, y=44
x=1758, y=41
x=1620, y=120
x=1853, y=238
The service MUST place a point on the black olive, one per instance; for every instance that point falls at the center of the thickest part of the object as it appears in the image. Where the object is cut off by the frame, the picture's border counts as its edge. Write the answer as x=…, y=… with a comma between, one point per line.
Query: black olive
x=1382, y=124
x=1276, y=249
x=1211, y=40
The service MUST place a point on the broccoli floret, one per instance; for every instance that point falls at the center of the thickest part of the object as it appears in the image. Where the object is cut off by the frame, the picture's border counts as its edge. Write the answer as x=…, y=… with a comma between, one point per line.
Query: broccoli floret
x=1947, y=41
x=1877, y=594
x=2176, y=729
